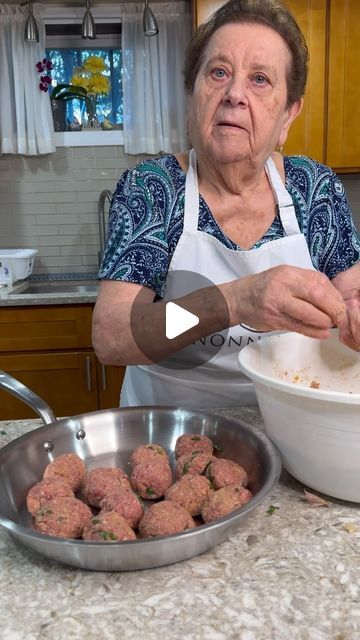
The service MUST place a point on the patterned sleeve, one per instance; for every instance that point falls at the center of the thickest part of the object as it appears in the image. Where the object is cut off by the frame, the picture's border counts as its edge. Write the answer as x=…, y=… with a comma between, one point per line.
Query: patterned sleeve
x=334, y=240
x=137, y=246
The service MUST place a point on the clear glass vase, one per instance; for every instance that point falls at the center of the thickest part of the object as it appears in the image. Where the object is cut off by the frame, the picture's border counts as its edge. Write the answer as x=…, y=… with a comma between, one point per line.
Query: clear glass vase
x=90, y=105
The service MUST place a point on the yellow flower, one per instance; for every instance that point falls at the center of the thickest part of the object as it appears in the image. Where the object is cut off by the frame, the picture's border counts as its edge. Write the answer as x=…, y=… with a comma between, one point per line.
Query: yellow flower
x=80, y=81
x=90, y=76
x=95, y=64
x=99, y=84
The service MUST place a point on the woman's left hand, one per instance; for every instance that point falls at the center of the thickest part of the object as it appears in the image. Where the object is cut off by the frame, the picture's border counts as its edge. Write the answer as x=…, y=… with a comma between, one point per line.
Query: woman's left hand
x=348, y=284
x=349, y=332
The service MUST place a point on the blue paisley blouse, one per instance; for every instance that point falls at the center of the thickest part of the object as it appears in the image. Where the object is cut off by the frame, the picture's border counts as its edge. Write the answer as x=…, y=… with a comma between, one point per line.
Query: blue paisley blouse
x=146, y=220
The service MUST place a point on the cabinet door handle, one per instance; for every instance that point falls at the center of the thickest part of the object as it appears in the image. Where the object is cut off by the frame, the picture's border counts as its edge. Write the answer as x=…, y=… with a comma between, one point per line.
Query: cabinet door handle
x=103, y=377
x=88, y=372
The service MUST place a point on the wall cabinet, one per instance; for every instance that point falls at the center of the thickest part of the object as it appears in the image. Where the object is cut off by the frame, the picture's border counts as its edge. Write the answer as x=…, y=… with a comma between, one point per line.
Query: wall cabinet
x=307, y=133
x=49, y=350
x=327, y=129
x=343, y=139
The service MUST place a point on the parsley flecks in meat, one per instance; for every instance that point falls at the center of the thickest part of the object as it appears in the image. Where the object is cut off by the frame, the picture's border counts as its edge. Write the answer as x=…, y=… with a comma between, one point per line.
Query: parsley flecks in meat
x=95, y=521
x=186, y=467
x=107, y=535
x=196, y=438
x=207, y=469
x=155, y=448
x=44, y=511
x=149, y=491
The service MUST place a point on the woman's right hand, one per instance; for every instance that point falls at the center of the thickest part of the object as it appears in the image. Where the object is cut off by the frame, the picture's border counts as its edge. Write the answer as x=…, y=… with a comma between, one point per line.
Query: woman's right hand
x=286, y=298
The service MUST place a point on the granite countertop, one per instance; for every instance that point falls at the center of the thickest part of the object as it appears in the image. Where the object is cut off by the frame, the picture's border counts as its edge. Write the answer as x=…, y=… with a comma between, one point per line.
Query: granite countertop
x=15, y=296
x=36, y=299
x=288, y=574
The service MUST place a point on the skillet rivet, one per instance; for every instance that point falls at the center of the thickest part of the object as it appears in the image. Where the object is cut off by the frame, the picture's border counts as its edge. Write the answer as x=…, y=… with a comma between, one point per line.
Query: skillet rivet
x=80, y=434
x=48, y=445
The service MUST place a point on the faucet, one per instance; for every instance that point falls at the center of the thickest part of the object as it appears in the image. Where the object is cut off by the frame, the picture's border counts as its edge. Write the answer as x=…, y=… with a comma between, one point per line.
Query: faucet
x=104, y=195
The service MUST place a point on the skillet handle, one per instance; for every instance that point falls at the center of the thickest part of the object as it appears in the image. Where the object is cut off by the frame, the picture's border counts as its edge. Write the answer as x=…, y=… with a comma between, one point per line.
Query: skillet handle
x=20, y=391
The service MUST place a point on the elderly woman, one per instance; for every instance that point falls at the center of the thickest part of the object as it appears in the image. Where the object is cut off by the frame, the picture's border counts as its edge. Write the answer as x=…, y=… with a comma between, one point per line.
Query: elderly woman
x=242, y=240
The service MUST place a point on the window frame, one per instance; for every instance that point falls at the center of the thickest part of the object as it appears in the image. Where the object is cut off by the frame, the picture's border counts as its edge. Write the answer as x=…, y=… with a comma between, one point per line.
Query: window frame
x=108, y=13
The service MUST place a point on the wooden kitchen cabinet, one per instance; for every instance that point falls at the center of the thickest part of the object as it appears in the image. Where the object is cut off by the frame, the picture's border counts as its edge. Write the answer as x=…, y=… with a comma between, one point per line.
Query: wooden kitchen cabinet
x=327, y=129
x=109, y=383
x=49, y=350
x=307, y=133
x=343, y=139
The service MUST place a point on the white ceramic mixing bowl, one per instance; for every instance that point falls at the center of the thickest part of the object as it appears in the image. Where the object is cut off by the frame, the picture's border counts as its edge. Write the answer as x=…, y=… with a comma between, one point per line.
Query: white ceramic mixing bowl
x=309, y=397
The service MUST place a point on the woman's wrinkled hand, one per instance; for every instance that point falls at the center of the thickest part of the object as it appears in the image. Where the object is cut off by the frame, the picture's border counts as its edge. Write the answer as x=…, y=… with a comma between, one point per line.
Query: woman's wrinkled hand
x=290, y=299
x=349, y=330
x=348, y=284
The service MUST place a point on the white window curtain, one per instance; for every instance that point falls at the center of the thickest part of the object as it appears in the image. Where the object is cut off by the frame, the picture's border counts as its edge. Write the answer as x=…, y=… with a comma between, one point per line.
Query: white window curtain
x=154, y=98
x=26, y=125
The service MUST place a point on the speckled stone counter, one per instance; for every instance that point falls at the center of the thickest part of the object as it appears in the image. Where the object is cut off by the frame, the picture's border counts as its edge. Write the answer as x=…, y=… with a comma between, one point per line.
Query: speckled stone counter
x=14, y=297
x=290, y=575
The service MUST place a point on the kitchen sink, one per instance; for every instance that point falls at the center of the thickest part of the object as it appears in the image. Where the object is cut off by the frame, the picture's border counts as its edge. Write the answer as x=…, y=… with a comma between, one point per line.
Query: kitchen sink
x=58, y=286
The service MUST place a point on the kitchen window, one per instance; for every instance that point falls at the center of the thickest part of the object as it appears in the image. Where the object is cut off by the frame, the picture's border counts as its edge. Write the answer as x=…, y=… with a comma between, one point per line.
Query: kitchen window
x=63, y=42
x=153, y=107
x=67, y=50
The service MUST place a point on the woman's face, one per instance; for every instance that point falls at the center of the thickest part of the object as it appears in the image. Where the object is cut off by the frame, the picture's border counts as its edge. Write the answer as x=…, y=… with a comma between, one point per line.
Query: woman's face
x=237, y=110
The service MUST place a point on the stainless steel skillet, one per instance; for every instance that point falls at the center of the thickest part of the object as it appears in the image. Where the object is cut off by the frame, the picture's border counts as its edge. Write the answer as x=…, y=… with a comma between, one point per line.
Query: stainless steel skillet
x=106, y=438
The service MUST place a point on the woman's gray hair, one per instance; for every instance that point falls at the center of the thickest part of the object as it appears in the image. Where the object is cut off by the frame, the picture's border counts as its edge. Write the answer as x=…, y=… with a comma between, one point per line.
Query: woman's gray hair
x=271, y=13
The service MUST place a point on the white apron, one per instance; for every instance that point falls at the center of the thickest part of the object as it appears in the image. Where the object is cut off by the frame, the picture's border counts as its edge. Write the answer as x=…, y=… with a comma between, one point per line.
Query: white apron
x=219, y=383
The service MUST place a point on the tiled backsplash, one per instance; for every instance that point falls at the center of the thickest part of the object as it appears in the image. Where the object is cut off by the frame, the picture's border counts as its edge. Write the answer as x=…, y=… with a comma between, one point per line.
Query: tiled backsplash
x=49, y=203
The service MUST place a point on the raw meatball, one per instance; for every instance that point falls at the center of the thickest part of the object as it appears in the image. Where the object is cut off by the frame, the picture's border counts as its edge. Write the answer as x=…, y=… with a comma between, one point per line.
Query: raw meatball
x=224, y=501
x=45, y=490
x=222, y=472
x=194, y=463
x=63, y=517
x=103, y=480
x=108, y=527
x=69, y=467
x=189, y=442
x=191, y=492
x=148, y=453
x=151, y=480
x=165, y=518
x=125, y=502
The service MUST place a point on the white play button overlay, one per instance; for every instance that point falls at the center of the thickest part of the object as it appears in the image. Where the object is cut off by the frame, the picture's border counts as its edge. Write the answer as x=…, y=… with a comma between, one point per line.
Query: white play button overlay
x=175, y=320
x=178, y=320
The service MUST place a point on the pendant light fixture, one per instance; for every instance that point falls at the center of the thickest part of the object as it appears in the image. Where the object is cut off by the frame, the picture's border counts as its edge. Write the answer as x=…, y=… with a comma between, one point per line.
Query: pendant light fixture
x=31, y=33
x=88, y=29
x=150, y=25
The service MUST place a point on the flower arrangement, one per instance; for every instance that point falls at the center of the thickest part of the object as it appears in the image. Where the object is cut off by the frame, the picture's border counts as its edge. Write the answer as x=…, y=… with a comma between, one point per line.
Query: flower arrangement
x=44, y=66
x=87, y=83
x=87, y=80
x=90, y=76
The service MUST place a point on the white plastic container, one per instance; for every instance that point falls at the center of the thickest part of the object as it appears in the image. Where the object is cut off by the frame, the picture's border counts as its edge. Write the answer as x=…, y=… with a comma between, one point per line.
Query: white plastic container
x=16, y=264
x=309, y=397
